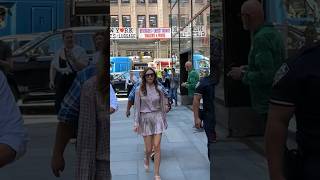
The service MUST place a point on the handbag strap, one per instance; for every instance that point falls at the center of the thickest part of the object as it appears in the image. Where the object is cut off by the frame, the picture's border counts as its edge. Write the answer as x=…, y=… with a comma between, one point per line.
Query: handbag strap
x=67, y=59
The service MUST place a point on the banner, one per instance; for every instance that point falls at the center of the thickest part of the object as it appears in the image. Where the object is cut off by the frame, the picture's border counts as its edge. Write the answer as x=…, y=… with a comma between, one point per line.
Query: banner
x=122, y=33
x=154, y=33
x=198, y=31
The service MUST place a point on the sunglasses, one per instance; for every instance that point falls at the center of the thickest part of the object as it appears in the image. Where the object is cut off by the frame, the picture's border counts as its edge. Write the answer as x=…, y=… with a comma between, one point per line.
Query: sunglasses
x=149, y=75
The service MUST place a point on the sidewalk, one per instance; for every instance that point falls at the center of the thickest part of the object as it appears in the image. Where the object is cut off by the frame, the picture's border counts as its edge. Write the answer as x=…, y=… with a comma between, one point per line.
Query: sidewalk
x=184, y=152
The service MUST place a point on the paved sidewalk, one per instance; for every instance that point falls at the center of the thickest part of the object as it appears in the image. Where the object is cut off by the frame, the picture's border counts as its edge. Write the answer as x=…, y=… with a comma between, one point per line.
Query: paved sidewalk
x=184, y=152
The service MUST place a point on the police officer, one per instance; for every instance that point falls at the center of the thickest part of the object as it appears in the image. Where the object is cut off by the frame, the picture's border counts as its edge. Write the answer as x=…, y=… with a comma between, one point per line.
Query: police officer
x=205, y=89
x=296, y=90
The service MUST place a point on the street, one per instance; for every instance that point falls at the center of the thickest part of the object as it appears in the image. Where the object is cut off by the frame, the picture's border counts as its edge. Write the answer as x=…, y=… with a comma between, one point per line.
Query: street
x=184, y=152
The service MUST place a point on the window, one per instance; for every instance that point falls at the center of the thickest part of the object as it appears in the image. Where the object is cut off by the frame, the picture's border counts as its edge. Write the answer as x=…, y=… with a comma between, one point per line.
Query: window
x=93, y=20
x=153, y=1
x=174, y=20
x=85, y=40
x=125, y=1
x=199, y=1
x=114, y=1
x=183, y=19
x=3, y=16
x=141, y=21
x=126, y=21
x=184, y=1
x=199, y=20
x=114, y=21
x=49, y=46
x=153, y=21
x=141, y=1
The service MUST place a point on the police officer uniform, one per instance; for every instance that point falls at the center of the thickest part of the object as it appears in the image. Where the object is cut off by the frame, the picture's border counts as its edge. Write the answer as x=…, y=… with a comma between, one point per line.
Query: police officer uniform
x=297, y=84
x=206, y=88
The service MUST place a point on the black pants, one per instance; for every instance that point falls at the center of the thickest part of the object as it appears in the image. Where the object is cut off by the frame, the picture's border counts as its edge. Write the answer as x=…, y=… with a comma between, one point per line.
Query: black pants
x=311, y=167
x=129, y=89
x=62, y=83
x=209, y=126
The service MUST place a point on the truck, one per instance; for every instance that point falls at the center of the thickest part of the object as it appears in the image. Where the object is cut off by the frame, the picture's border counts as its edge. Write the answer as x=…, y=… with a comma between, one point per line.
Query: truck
x=120, y=64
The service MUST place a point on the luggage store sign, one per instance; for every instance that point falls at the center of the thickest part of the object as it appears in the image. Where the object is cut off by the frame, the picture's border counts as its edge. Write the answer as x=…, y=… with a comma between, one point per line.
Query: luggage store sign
x=122, y=33
x=154, y=33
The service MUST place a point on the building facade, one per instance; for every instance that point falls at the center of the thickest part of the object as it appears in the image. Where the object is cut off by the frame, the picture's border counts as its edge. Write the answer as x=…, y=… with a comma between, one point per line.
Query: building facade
x=89, y=12
x=132, y=15
x=24, y=16
x=191, y=31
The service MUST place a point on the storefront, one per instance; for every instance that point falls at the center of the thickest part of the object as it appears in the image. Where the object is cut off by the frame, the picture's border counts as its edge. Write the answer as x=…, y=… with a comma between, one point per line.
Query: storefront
x=190, y=24
x=298, y=21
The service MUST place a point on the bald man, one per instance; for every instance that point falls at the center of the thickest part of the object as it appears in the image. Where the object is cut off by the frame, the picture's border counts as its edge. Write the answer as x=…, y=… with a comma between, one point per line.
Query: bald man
x=266, y=55
x=193, y=78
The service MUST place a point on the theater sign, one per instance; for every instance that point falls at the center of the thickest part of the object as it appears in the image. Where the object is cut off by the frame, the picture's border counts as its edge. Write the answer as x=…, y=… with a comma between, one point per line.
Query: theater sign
x=122, y=33
x=154, y=33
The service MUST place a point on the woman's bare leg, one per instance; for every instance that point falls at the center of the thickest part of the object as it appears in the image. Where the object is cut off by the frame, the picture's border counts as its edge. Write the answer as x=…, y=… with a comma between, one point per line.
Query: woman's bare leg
x=148, y=148
x=157, y=150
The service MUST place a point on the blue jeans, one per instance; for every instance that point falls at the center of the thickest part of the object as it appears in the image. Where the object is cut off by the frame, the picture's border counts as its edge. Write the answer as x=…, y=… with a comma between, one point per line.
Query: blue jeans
x=173, y=94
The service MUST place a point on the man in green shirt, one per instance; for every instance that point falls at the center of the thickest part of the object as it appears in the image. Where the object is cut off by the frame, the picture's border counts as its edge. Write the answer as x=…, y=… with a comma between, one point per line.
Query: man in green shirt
x=193, y=78
x=266, y=56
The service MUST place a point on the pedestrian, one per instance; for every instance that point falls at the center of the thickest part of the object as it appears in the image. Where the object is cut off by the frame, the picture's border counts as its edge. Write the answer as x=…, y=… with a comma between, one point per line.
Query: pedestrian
x=2, y=17
x=193, y=78
x=83, y=114
x=205, y=90
x=151, y=107
x=295, y=92
x=67, y=61
x=130, y=82
x=165, y=81
x=266, y=56
x=132, y=94
x=174, y=84
x=13, y=136
x=98, y=38
x=6, y=63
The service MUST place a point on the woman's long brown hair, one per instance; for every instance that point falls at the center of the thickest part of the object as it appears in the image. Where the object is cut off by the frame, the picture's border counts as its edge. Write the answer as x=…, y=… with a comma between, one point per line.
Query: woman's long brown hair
x=143, y=88
x=102, y=65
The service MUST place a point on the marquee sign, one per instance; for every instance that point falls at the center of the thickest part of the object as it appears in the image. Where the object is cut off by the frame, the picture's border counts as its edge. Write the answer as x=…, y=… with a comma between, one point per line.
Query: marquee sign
x=154, y=33
x=122, y=33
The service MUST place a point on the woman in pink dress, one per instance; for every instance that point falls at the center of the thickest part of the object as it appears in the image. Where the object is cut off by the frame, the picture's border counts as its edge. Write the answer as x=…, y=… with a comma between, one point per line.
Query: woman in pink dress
x=151, y=107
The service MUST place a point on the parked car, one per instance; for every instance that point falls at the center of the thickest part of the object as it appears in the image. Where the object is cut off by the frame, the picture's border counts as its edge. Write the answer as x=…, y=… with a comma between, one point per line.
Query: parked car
x=119, y=81
x=17, y=41
x=30, y=75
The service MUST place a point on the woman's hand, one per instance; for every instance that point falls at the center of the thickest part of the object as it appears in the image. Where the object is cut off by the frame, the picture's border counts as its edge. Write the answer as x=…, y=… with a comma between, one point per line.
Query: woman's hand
x=135, y=129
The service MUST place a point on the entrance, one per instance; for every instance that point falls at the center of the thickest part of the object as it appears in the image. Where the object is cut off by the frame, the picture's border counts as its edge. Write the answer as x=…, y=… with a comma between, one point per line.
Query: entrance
x=236, y=112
